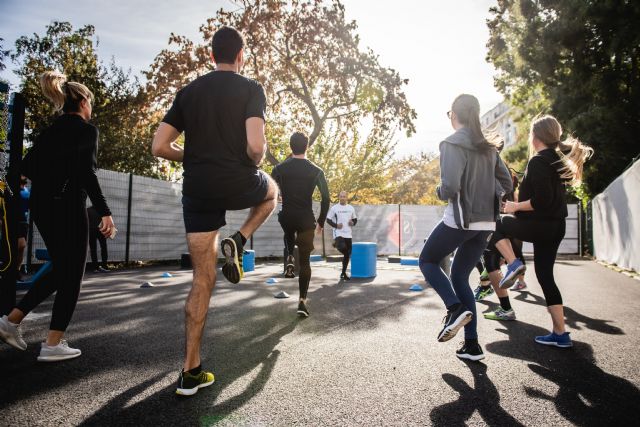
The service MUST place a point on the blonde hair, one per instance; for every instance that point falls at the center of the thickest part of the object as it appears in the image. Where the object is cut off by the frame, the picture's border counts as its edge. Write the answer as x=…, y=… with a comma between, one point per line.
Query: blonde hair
x=572, y=152
x=65, y=96
x=467, y=110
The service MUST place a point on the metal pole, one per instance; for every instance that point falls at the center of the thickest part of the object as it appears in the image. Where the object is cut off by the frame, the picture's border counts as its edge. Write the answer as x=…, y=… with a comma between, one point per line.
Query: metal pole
x=9, y=277
x=324, y=252
x=580, y=249
x=128, y=240
x=399, y=231
x=30, y=244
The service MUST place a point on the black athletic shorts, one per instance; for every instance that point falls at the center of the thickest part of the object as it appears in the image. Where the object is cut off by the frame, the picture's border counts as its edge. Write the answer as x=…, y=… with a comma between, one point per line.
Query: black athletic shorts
x=203, y=215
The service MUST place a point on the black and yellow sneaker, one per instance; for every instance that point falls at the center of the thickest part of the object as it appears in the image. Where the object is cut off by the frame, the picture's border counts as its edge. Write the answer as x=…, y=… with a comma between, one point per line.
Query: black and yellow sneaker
x=189, y=384
x=289, y=271
x=232, y=249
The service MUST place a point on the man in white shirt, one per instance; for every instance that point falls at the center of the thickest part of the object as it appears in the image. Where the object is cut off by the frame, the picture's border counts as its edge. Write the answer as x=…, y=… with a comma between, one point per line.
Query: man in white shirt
x=342, y=217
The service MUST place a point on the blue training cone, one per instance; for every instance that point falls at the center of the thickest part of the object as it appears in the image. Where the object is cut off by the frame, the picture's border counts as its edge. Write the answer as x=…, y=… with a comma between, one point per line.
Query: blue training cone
x=167, y=275
x=271, y=281
x=416, y=288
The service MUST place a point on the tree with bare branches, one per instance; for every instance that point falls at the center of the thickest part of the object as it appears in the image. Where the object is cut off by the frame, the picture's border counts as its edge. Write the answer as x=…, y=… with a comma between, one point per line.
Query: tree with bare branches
x=308, y=58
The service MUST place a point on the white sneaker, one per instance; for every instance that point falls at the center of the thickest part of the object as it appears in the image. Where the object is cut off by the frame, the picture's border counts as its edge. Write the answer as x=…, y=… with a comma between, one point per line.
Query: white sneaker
x=11, y=334
x=55, y=353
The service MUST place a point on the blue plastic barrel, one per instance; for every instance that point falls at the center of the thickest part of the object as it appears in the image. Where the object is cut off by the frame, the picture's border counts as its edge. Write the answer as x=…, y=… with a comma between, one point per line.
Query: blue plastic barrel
x=249, y=261
x=363, y=259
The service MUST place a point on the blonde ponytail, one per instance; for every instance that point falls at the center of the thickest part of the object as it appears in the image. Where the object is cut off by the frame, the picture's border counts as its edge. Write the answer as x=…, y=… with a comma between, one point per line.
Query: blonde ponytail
x=65, y=96
x=572, y=152
x=52, y=83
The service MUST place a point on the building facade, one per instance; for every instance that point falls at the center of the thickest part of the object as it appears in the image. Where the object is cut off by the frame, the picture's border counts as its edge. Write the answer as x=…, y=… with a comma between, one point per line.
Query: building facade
x=499, y=120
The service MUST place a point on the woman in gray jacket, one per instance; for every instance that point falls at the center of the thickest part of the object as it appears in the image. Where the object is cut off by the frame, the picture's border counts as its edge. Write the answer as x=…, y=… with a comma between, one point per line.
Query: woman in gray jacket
x=470, y=169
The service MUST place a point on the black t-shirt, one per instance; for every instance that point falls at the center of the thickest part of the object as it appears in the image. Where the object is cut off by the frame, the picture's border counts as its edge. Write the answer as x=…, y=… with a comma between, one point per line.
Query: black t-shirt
x=543, y=185
x=297, y=179
x=212, y=111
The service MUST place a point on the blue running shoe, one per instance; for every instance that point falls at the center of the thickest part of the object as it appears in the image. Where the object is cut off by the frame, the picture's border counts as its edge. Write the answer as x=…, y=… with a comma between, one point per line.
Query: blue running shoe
x=514, y=269
x=563, y=340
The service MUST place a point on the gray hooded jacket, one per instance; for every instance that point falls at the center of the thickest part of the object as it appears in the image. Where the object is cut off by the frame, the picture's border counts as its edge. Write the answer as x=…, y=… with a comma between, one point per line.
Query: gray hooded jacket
x=472, y=181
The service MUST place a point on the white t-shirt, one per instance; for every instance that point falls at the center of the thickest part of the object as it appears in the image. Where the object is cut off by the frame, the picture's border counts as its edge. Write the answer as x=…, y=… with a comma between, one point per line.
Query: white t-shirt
x=342, y=214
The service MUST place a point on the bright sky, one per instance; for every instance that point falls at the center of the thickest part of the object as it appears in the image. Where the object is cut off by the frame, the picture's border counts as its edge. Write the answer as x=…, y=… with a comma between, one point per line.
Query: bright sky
x=438, y=45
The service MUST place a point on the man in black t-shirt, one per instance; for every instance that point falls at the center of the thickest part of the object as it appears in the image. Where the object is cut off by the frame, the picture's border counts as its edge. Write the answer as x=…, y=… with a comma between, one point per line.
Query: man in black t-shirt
x=297, y=178
x=222, y=115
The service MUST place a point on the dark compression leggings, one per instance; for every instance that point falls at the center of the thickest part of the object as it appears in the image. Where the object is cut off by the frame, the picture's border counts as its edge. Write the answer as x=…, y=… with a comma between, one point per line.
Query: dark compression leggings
x=546, y=236
x=64, y=229
x=344, y=246
x=299, y=234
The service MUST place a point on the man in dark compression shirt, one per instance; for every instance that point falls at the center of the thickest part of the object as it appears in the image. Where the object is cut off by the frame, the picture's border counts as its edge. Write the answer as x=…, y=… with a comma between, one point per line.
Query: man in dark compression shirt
x=298, y=177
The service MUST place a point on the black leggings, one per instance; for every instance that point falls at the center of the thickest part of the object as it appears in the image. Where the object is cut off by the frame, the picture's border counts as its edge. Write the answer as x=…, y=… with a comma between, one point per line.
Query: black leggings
x=492, y=257
x=93, y=248
x=344, y=245
x=546, y=236
x=64, y=228
x=298, y=233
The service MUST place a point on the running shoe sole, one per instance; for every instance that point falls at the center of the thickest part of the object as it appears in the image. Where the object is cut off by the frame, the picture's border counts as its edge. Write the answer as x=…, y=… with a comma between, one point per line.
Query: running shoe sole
x=58, y=358
x=231, y=269
x=499, y=319
x=303, y=313
x=192, y=391
x=511, y=277
x=289, y=273
x=451, y=330
x=554, y=344
x=10, y=339
x=470, y=357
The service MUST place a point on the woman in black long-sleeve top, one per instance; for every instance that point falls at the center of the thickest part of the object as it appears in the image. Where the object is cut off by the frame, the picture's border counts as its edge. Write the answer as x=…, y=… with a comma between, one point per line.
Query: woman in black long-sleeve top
x=62, y=168
x=540, y=212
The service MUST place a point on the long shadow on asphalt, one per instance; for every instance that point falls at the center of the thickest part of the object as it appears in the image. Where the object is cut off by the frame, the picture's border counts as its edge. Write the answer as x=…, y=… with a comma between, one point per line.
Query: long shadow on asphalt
x=131, y=332
x=572, y=318
x=586, y=394
x=482, y=396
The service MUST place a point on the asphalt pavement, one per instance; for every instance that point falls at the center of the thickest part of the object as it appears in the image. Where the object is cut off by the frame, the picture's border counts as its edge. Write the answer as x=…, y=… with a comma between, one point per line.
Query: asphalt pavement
x=366, y=356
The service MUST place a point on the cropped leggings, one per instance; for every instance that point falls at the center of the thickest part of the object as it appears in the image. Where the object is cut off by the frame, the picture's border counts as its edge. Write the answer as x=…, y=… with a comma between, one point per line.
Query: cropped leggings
x=546, y=236
x=64, y=227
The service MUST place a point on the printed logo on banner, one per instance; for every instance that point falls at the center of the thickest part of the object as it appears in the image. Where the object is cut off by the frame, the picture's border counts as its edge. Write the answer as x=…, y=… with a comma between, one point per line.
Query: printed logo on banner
x=407, y=224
